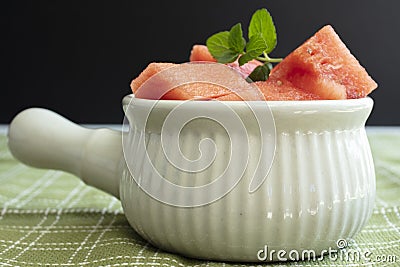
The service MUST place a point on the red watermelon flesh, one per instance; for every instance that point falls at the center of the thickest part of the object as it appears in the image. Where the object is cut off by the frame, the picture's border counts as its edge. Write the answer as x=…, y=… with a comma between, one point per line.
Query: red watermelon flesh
x=149, y=71
x=324, y=66
x=197, y=90
x=283, y=90
x=321, y=68
x=274, y=90
x=201, y=53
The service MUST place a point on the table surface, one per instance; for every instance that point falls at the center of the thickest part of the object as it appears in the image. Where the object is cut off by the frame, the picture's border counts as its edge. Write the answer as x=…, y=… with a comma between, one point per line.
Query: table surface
x=50, y=218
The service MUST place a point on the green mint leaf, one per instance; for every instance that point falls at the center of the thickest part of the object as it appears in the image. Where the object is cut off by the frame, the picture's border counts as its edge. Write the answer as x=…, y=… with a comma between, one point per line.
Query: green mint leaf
x=261, y=23
x=218, y=45
x=261, y=73
x=254, y=48
x=236, y=41
x=256, y=45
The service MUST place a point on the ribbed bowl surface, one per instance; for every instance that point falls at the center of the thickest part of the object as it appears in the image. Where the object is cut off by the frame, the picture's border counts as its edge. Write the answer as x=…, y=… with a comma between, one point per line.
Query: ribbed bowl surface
x=320, y=188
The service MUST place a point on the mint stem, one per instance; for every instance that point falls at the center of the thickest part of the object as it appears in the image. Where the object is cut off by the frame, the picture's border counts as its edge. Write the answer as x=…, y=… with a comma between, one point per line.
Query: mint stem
x=270, y=60
x=267, y=59
x=274, y=60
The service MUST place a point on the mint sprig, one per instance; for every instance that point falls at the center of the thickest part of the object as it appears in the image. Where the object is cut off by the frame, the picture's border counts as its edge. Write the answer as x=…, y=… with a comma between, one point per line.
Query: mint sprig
x=235, y=40
x=255, y=47
x=228, y=46
x=220, y=47
x=261, y=24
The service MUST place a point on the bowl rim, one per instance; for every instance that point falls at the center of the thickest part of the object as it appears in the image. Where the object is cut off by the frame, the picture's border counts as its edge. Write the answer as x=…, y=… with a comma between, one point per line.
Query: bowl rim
x=345, y=104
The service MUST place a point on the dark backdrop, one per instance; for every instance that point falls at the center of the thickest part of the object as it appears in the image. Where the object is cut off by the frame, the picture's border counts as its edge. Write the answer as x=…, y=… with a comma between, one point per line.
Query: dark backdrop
x=78, y=57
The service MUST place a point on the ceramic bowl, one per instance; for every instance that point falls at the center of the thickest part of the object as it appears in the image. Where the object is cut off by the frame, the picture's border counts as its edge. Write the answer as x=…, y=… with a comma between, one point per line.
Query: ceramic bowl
x=212, y=182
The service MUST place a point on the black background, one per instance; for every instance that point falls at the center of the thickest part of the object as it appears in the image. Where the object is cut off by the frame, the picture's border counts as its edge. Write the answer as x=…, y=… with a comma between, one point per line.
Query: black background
x=78, y=57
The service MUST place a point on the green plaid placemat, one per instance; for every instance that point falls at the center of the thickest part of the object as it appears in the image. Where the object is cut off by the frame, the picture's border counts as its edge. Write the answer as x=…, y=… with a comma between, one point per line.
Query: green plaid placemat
x=50, y=218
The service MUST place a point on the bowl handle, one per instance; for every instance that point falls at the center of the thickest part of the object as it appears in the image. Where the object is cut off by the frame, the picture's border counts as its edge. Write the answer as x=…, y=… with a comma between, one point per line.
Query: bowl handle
x=44, y=139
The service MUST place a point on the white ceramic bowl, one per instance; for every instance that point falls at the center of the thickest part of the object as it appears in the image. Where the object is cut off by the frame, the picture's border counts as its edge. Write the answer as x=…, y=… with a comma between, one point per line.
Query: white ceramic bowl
x=320, y=187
